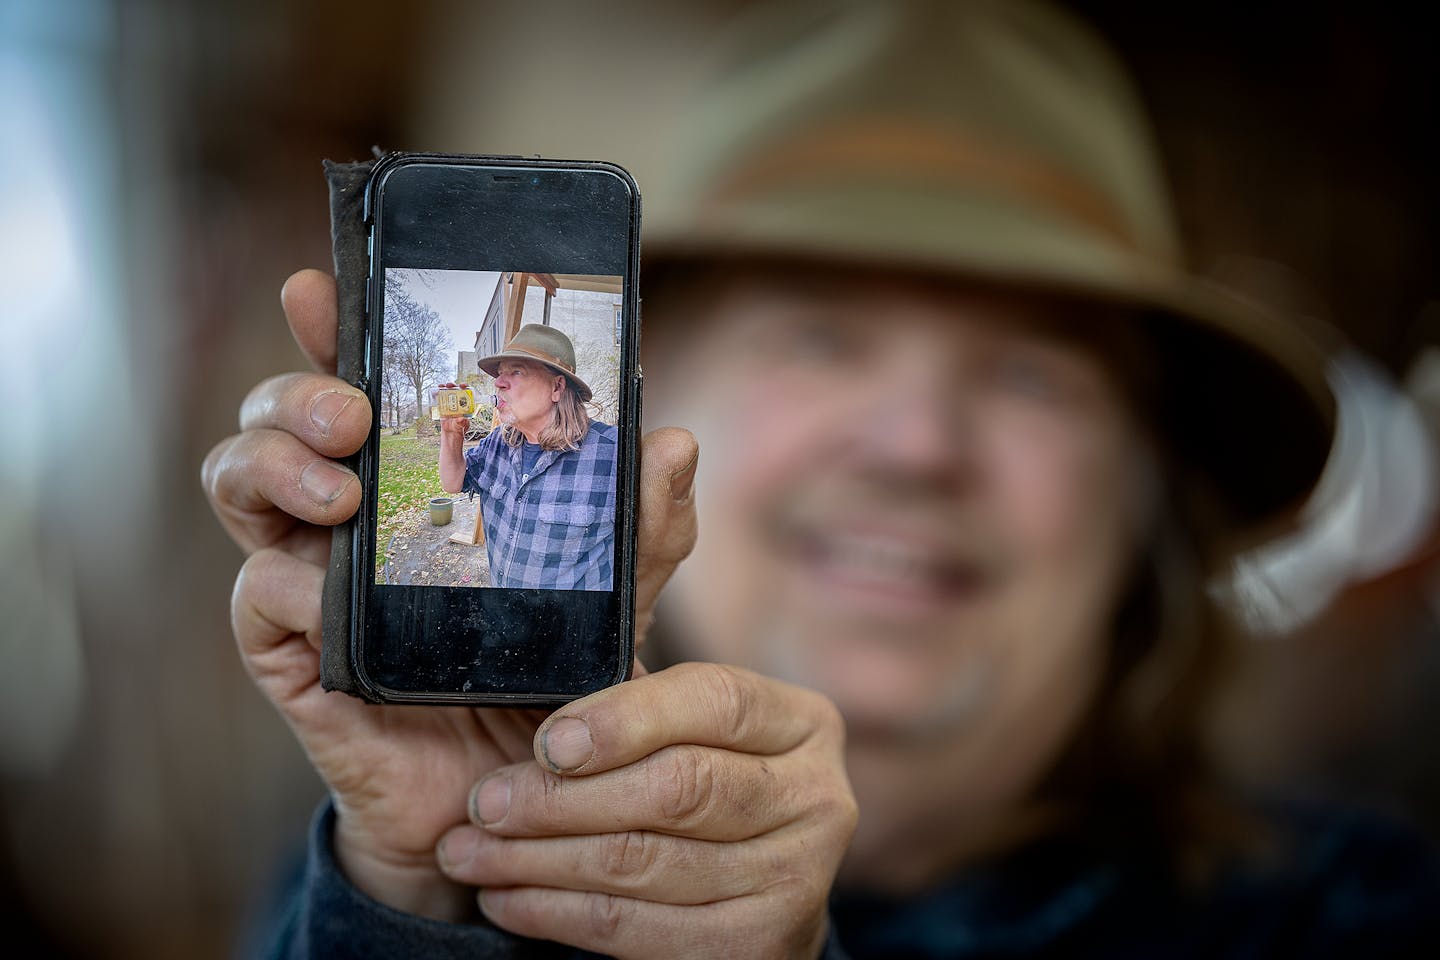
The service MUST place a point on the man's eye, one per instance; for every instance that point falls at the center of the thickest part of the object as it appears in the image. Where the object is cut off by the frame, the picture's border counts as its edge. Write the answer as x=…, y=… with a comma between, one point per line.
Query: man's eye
x=1027, y=376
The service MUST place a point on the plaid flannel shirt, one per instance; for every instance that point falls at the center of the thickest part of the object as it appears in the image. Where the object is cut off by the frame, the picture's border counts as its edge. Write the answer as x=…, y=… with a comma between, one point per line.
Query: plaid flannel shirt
x=553, y=528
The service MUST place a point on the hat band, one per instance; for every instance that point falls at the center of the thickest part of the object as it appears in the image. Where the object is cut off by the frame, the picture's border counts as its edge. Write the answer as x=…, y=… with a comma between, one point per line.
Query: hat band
x=541, y=355
x=886, y=148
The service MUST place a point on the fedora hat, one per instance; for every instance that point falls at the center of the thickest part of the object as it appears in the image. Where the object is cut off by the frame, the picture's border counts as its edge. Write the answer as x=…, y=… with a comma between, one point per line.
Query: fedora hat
x=1000, y=141
x=542, y=344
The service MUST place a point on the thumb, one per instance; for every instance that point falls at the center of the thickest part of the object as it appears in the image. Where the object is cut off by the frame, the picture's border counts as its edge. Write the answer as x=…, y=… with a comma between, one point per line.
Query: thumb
x=668, y=458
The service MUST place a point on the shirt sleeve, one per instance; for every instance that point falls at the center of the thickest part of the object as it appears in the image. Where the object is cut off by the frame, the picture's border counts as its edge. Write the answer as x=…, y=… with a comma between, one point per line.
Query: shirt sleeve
x=474, y=461
x=324, y=915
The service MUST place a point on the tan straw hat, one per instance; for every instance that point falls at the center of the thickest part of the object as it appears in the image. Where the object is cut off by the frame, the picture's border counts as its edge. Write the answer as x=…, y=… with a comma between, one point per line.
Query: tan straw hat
x=998, y=140
x=542, y=344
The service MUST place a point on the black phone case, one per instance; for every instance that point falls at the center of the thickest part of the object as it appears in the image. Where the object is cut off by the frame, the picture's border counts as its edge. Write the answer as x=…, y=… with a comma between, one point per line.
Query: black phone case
x=347, y=239
x=349, y=184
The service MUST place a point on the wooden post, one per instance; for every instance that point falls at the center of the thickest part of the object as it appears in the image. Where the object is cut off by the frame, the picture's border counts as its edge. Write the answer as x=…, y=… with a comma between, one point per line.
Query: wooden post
x=476, y=537
x=515, y=309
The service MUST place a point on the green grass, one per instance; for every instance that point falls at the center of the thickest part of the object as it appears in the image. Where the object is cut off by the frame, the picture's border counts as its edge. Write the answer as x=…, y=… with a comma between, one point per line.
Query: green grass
x=409, y=477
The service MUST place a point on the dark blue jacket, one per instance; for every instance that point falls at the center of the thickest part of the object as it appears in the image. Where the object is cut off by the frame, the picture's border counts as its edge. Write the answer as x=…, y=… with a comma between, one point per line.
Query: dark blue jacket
x=1350, y=886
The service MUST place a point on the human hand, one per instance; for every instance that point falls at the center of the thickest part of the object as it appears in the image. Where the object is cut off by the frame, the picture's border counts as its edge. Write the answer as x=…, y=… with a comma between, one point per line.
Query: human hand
x=699, y=812
x=398, y=774
x=454, y=426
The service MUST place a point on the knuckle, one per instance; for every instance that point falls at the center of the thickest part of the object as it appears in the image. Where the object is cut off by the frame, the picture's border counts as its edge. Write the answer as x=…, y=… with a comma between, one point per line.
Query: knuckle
x=784, y=921
x=294, y=391
x=828, y=718
x=606, y=915
x=798, y=891
x=682, y=785
x=251, y=571
x=255, y=575
x=241, y=598
x=730, y=697
x=552, y=794
x=839, y=809
x=264, y=451
x=258, y=407
x=826, y=722
x=830, y=801
x=210, y=468
x=227, y=472
x=264, y=602
x=627, y=857
x=244, y=457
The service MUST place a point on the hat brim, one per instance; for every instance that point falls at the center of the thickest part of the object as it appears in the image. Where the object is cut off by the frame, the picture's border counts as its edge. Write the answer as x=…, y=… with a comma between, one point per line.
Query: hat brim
x=491, y=363
x=1246, y=402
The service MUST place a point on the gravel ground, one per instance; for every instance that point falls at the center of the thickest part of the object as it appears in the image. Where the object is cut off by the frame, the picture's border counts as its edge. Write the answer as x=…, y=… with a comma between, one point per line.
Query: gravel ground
x=422, y=554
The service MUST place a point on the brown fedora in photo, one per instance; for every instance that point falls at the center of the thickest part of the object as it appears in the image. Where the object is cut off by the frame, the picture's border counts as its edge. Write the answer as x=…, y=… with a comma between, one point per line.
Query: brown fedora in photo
x=545, y=345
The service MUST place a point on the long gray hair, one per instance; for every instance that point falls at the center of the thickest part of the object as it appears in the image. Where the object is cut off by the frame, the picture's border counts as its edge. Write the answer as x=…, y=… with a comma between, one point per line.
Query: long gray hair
x=569, y=422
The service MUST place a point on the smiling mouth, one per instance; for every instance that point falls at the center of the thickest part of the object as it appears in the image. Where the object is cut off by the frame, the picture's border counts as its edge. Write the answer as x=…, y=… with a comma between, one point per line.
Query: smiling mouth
x=886, y=567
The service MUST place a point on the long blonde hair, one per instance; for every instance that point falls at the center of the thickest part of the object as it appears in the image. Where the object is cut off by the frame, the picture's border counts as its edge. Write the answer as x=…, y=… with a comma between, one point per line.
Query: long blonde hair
x=569, y=422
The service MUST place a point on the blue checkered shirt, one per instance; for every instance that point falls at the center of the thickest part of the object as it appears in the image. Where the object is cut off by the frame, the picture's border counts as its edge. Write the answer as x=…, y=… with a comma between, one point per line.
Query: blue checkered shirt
x=553, y=528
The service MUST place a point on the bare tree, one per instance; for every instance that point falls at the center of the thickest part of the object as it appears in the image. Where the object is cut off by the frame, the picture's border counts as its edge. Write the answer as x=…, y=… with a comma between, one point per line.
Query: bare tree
x=415, y=341
x=598, y=361
x=392, y=389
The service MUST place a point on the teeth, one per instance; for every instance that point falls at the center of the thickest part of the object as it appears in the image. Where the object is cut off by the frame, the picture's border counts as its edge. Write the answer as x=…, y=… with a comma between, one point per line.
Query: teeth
x=882, y=560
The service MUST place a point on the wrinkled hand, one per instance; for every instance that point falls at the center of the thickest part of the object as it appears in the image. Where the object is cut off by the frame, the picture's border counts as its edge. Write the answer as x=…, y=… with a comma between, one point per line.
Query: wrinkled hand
x=697, y=812
x=398, y=775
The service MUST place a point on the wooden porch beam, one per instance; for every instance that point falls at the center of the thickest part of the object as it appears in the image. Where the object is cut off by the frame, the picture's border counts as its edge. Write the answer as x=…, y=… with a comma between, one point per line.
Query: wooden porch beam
x=515, y=307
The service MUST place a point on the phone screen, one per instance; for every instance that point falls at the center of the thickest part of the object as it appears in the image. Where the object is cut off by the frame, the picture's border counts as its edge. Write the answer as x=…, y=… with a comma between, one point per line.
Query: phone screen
x=494, y=561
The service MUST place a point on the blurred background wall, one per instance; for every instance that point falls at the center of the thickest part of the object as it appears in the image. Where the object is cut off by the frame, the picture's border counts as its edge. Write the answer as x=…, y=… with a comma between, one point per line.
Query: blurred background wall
x=160, y=180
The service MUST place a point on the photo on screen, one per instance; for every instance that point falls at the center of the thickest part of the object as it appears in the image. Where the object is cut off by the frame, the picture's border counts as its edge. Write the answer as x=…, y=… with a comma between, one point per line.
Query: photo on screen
x=499, y=402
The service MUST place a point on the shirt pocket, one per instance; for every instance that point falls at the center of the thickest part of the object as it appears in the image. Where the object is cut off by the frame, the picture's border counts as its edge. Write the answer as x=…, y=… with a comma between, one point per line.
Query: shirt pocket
x=570, y=530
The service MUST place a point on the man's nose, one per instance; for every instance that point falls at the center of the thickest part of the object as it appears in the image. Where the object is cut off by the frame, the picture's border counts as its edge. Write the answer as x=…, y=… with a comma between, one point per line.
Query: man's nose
x=921, y=414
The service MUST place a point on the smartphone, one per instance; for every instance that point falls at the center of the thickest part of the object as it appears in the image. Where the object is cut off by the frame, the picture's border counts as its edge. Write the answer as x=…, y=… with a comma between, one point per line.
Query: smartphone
x=493, y=559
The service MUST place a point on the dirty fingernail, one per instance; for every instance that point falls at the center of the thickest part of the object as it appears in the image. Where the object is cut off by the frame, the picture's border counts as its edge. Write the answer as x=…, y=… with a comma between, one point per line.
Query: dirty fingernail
x=490, y=801
x=326, y=409
x=682, y=483
x=567, y=744
x=323, y=482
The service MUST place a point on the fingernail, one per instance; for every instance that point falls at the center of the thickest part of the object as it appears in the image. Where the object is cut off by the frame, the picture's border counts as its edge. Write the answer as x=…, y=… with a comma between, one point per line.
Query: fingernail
x=490, y=801
x=567, y=744
x=326, y=409
x=492, y=901
x=323, y=482
x=458, y=847
x=683, y=482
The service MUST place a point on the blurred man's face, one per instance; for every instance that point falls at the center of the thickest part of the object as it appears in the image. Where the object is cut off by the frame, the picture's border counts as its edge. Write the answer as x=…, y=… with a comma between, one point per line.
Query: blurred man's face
x=911, y=498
